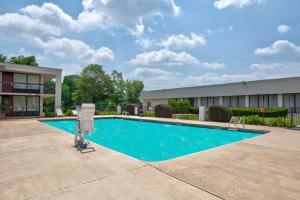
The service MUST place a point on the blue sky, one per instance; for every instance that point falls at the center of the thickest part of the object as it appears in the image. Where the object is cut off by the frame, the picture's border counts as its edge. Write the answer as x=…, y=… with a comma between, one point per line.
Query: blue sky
x=165, y=43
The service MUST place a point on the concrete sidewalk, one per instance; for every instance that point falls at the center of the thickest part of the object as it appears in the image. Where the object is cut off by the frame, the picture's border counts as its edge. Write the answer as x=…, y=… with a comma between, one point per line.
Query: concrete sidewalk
x=39, y=162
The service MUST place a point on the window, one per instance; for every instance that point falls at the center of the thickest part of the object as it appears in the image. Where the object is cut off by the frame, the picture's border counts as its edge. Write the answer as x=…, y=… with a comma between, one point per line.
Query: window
x=20, y=81
x=209, y=101
x=298, y=102
x=33, y=104
x=20, y=78
x=263, y=101
x=226, y=101
x=148, y=104
x=273, y=101
x=288, y=100
x=216, y=100
x=253, y=101
x=33, y=81
x=267, y=100
x=19, y=103
x=234, y=101
x=204, y=101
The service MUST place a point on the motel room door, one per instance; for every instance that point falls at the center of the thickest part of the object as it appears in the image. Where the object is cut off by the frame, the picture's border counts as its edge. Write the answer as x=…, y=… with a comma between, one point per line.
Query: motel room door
x=7, y=82
x=8, y=100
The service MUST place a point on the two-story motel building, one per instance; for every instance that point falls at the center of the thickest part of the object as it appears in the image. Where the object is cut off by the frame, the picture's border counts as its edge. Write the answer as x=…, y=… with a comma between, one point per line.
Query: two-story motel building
x=22, y=88
x=282, y=92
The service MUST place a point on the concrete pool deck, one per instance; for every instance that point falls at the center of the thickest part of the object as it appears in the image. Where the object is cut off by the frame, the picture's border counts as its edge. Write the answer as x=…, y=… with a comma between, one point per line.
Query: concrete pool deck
x=38, y=162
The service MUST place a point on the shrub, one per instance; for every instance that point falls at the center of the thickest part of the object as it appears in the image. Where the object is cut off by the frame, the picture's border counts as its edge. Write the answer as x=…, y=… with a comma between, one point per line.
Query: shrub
x=149, y=114
x=219, y=114
x=98, y=112
x=111, y=106
x=269, y=112
x=163, y=110
x=68, y=113
x=188, y=116
x=279, y=122
x=49, y=114
x=194, y=110
x=181, y=106
x=254, y=119
x=49, y=104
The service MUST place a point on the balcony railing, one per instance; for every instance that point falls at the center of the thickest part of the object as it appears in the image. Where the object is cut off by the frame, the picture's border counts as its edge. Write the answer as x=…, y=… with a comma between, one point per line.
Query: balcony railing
x=16, y=87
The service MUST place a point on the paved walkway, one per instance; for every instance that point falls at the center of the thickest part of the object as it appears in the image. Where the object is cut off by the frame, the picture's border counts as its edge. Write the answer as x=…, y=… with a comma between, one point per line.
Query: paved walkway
x=39, y=162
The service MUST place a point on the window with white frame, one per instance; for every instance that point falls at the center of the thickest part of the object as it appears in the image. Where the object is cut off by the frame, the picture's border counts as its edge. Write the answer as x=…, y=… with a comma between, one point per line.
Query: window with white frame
x=33, y=81
x=19, y=103
x=33, y=104
x=20, y=81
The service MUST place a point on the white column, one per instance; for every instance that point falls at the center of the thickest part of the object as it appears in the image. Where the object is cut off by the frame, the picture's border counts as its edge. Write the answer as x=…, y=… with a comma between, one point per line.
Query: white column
x=42, y=84
x=41, y=97
x=58, y=90
x=280, y=100
x=247, y=101
x=0, y=82
x=41, y=106
x=221, y=101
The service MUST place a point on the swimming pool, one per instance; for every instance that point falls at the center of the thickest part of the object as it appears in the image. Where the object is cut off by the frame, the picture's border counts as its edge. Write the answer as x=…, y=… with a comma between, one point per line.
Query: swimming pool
x=153, y=141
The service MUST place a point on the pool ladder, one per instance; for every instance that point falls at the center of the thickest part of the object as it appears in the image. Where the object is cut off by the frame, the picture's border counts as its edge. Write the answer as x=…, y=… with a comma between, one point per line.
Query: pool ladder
x=237, y=122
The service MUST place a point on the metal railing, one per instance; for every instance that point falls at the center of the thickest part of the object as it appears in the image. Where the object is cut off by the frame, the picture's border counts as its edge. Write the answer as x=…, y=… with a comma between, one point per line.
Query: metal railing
x=13, y=111
x=17, y=87
x=287, y=117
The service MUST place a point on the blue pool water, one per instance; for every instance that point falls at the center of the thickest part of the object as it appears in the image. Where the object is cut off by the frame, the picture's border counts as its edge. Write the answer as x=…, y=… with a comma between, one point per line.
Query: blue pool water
x=150, y=141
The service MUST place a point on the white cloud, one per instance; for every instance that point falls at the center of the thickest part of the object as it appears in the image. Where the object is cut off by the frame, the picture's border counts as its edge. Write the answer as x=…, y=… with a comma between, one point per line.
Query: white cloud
x=278, y=68
x=124, y=13
x=221, y=4
x=147, y=43
x=68, y=49
x=167, y=58
x=155, y=78
x=283, y=28
x=277, y=47
x=214, y=65
x=50, y=20
x=49, y=14
x=179, y=41
x=164, y=58
x=182, y=42
x=15, y=27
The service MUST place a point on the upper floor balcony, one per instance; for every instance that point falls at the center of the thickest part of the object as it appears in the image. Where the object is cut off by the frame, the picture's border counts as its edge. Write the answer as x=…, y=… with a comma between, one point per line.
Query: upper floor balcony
x=27, y=88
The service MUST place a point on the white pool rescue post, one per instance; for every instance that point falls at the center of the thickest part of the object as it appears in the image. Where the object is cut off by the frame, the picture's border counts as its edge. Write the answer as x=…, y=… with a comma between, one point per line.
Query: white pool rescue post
x=119, y=110
x=84, y=124
x=201, y=113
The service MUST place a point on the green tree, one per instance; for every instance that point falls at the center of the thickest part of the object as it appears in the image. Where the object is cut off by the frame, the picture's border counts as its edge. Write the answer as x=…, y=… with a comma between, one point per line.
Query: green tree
x=119, y=94
x=133, y=90
x=49, y=85
x=70, y=81
x=3, y=58
x=94, y=85
x=68, y=88
x=24, y=60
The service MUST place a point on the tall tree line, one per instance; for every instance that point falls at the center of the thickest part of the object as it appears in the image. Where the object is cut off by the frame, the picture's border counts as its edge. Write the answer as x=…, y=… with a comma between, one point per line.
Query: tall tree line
x=92, y=85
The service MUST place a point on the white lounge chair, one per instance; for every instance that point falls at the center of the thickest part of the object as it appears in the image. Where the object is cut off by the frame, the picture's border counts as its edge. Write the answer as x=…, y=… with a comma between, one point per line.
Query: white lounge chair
x=59, y=112
x=74, y=112
x=84, y=124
